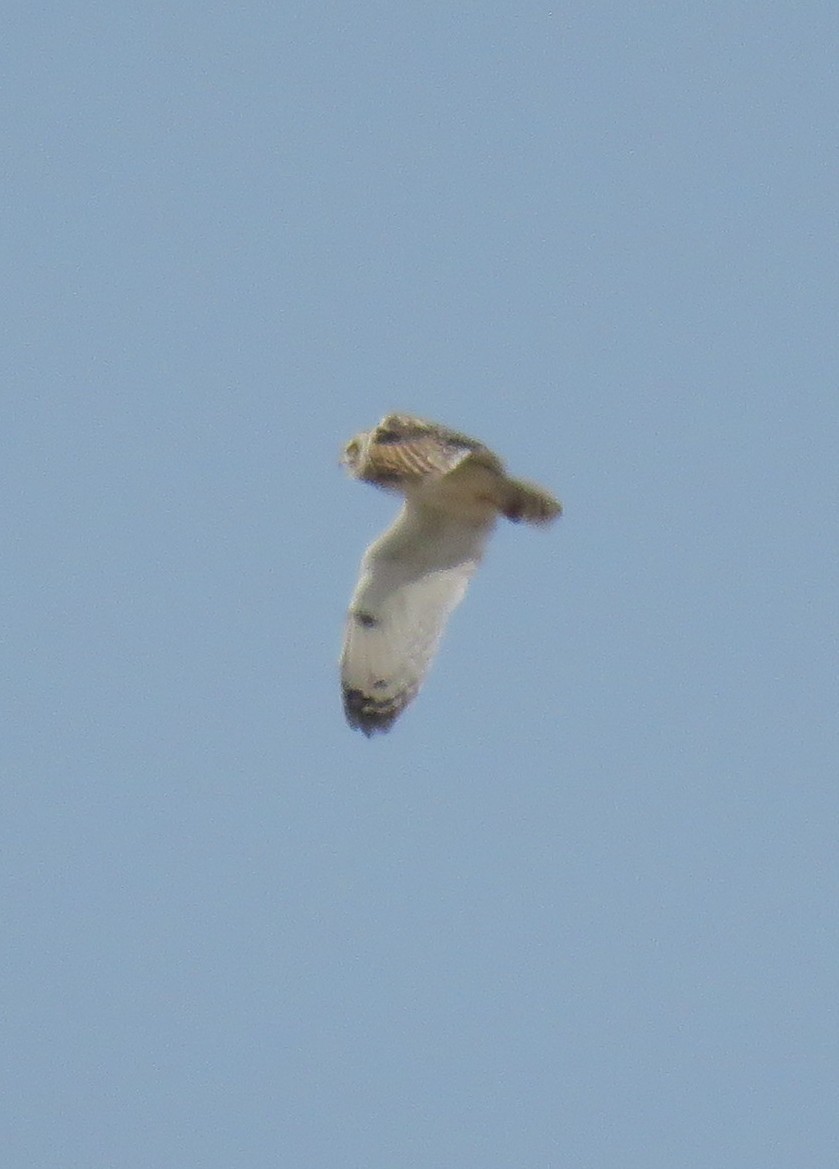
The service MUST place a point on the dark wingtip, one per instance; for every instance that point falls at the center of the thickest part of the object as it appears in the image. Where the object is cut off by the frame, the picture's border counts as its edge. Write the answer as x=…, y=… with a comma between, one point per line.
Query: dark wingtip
x=365, y=714
x=525, y=501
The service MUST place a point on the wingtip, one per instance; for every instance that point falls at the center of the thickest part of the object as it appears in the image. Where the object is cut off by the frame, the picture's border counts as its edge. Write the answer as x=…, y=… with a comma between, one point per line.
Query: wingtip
x=367, y=715
x=530, y=503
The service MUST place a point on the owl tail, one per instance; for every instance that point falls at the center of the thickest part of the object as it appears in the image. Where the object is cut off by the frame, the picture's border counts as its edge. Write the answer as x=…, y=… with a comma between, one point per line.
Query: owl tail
x=526, y=501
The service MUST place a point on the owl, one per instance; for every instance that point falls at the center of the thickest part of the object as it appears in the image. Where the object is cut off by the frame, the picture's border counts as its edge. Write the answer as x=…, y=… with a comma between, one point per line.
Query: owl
x=413, y=576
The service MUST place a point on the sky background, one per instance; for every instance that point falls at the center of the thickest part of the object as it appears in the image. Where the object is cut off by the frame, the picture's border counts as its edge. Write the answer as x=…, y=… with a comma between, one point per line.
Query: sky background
x=580, y=907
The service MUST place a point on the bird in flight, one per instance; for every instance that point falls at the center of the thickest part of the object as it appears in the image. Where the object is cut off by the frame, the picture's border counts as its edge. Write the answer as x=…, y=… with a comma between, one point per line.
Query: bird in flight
x=416, y=572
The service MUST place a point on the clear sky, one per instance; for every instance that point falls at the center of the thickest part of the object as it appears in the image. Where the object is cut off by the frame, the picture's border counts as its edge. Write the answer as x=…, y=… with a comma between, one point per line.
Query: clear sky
x=579, y=908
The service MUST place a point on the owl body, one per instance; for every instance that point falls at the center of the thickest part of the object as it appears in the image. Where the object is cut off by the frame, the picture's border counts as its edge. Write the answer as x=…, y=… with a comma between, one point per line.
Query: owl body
x=414, y=575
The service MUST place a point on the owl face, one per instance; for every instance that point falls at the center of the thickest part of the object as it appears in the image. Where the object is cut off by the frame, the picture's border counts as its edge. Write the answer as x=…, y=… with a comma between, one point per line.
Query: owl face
x=354, y=454
x=364, y=456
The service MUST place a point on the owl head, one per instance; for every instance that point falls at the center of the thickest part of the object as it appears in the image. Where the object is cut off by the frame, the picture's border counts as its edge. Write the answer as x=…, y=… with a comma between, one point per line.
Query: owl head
x=366, y=456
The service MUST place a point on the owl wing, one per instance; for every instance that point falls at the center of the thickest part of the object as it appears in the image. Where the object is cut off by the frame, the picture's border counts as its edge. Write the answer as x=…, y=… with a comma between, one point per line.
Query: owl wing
x=428, y=454
x=411, y=579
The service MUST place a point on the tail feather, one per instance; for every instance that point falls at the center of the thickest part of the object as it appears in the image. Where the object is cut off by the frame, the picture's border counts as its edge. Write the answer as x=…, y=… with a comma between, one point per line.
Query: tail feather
x=525, y=501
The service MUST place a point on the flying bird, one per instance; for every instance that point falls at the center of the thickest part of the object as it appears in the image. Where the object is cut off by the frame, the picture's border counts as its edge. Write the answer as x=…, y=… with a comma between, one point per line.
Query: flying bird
x=416, y=572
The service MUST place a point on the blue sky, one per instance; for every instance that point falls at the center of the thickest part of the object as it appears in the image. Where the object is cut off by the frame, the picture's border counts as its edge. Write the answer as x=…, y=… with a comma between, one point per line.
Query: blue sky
x=580, y=906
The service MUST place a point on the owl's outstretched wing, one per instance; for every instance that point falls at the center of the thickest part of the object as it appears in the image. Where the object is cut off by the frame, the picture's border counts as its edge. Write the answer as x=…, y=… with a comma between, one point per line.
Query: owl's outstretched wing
x=412, y=578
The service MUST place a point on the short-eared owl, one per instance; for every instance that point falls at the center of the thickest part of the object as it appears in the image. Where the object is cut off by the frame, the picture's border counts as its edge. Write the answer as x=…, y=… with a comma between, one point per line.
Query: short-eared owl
x=415, y=574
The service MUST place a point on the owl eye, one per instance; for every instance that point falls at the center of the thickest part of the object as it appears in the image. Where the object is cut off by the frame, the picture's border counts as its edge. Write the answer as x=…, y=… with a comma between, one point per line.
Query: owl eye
x=352, y=449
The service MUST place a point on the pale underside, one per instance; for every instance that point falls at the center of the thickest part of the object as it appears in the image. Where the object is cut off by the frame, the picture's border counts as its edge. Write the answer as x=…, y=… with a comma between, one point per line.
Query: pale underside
x=418, y=571
x=412, y=578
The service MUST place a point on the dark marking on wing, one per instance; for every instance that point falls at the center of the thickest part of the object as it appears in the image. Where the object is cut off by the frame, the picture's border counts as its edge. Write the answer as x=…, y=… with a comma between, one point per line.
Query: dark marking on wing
x=388, y=436
x=367, y=620
x=371, y=715
x=383, y=478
